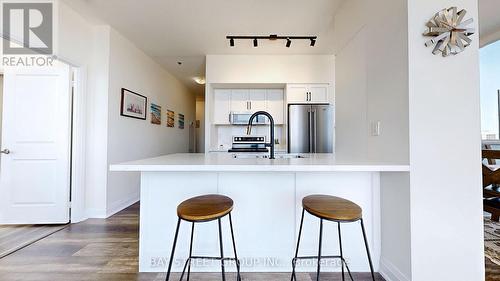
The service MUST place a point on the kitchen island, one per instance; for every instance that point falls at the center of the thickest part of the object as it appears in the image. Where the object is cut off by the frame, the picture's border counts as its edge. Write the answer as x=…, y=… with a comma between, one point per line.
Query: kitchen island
x=267, y=195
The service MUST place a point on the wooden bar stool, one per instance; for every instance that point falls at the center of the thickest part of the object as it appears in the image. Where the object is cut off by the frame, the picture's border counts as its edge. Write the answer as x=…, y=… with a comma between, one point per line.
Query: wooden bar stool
x=204, y=209
x=334, y=209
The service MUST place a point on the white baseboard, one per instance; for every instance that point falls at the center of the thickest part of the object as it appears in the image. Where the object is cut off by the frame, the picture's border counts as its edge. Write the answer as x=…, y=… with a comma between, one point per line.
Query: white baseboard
x=119, y=205
x=390, y=272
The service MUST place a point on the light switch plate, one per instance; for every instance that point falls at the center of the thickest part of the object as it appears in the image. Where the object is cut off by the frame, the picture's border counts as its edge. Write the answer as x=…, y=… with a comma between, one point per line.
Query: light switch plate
x=375, y=128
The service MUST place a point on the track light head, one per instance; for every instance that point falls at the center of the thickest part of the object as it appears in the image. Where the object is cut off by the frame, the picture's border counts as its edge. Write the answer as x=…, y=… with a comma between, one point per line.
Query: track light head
x=313, y=42
x=288, y=42
x=255, y=43
x=231, y=42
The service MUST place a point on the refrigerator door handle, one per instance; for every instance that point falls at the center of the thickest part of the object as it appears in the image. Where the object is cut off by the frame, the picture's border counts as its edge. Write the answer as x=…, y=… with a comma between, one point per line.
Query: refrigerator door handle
x=309, y=113
x=313, y=130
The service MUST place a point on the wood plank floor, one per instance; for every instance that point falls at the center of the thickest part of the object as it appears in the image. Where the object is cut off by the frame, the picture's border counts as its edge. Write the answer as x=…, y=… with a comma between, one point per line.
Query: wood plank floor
x=107, y=250
x=15, y=237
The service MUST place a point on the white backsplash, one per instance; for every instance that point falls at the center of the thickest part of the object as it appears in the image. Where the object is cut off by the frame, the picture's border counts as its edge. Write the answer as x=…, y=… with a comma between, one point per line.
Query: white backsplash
x=225, y=134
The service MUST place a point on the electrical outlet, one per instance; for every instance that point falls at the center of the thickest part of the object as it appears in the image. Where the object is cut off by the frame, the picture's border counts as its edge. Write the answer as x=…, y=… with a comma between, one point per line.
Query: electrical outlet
x=375, y=128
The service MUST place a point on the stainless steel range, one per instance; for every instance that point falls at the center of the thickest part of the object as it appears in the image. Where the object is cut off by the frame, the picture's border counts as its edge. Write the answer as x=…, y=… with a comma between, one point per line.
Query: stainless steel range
x=247, y=143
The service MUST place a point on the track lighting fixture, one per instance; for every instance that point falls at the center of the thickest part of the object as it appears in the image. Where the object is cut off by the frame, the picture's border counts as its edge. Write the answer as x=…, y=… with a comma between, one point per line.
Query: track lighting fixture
x=272, y=37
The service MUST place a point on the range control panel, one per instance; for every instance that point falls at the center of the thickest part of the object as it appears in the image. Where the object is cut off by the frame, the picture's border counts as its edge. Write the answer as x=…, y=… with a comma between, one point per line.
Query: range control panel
x=249, y=139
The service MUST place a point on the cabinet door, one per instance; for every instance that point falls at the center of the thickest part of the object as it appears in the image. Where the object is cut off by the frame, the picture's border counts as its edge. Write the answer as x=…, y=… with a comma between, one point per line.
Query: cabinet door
x=239, y=100
x=222, y=103
x=275, y=105
x=296, y=93
x=319, y=93
x=257, y=99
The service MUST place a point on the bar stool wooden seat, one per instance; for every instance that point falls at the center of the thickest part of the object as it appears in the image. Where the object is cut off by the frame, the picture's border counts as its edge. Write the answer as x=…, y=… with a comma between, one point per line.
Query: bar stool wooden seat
x=201, y=209
x=335, y=209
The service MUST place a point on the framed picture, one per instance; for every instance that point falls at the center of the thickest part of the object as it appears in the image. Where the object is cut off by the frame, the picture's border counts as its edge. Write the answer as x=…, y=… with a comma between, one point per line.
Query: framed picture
x=155, y=114
x=133, y=105
x=181, y=121
x=170, y=118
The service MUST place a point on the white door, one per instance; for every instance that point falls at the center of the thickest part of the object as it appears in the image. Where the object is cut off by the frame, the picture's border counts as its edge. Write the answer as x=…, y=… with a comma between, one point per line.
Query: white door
x=35, y=163
x=239, y=100
x=318, y=93
x=275, y=105
x=222, y=106
x=257, y=98
x=297, y=93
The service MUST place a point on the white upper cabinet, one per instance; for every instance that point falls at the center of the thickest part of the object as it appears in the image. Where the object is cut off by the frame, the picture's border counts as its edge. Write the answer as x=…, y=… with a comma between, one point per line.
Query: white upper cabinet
x=227, y=101
x=297, y=93
x=307, y=93
x=222, y=106
x=257, y=99
x=239, y=100
x=276, y=105
x=318, y=93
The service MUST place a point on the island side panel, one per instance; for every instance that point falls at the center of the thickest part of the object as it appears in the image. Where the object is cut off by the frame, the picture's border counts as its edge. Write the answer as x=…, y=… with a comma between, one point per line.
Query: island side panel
x=361, y=188
x=161, y=192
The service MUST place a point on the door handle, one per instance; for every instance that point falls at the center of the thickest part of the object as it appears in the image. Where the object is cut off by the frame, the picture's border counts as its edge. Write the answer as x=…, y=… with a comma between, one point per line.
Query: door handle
x=5, y=151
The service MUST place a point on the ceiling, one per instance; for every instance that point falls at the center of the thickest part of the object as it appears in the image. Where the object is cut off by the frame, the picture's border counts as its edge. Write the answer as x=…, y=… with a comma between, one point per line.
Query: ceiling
x=186, y=30
x=489, y=20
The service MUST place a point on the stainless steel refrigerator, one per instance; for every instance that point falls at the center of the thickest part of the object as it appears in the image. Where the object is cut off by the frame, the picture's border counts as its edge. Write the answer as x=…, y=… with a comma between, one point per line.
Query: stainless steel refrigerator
x=310, y=128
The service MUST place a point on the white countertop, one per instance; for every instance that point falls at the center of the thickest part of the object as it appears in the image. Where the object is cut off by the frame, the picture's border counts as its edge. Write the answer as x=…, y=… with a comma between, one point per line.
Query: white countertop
x=219, y=162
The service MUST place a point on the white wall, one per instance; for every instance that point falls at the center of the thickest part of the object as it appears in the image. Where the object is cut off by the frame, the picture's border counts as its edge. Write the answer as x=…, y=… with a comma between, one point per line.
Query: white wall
x=395, y=261
x=132, y=139
x=372, y=80
x=372, y=85
x=446, y=196
x=270, y=69
x=87, y=47
x=1, y=107
x=109, y=62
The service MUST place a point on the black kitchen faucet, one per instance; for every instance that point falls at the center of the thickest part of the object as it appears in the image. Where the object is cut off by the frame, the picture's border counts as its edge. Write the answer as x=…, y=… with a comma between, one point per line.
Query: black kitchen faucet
x=271, y=120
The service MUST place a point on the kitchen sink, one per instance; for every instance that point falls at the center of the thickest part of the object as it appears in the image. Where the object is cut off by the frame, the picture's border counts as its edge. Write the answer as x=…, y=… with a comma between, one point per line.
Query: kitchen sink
x=266, y=156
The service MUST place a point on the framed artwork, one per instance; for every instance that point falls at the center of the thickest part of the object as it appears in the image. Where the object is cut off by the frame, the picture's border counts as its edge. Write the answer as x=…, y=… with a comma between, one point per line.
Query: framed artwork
x=155, y=114
x=170, y=118
x=133, y=105
x=181, y=121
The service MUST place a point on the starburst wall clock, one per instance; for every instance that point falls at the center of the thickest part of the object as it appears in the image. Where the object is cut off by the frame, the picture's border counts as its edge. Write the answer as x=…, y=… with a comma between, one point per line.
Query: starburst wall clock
x=450, y=31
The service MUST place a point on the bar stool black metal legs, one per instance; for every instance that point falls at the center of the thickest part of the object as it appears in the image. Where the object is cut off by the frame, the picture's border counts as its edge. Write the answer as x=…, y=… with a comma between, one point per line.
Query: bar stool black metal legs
x=336, y=210
x=204, y=209
x=367, y=249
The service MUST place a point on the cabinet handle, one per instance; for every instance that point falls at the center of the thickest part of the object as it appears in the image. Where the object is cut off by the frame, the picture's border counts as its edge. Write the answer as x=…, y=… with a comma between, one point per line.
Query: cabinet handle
x=250, y=102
